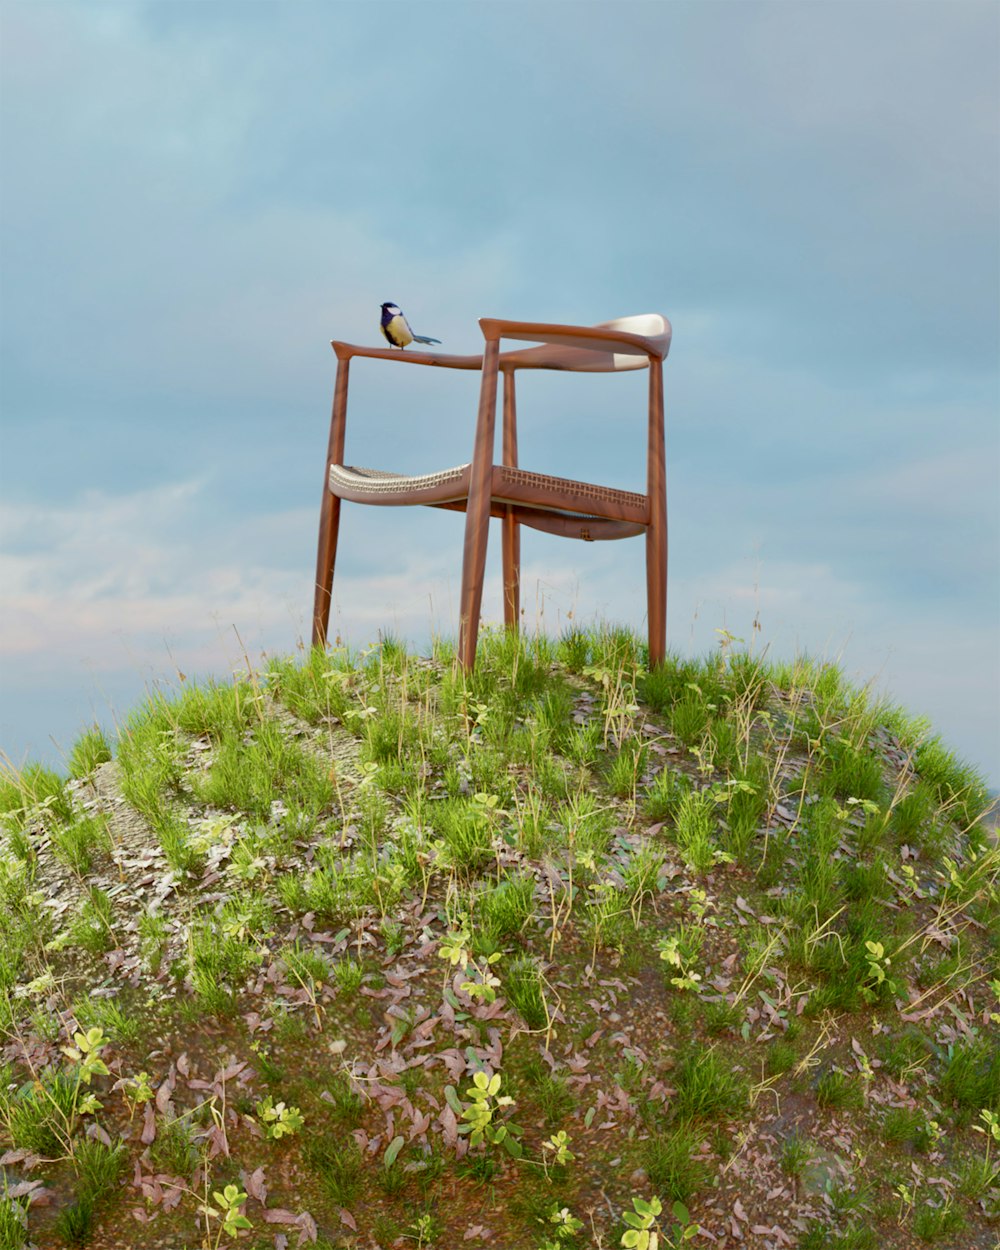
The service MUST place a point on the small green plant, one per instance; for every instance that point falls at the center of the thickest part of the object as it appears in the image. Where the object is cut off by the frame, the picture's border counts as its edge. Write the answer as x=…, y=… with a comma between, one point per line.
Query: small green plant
x=565, y=1224
x=306, y=965
x=678, y=951
x=482, y=985
x=228, y=1211
x=36, y=1115
x=454, y=948
x=136, y=1091
x=394, y=936
x=481, y=1114
x=682, y=1229
x=586, y=823
x=278, y=1120
x=644, y=1231
x=955, y=785
x=45, y=1114
x=220, y=956
x=556, y=1151
x=424, y=1230
x=991, y=1131
x=86, y=1063
x=879, y=963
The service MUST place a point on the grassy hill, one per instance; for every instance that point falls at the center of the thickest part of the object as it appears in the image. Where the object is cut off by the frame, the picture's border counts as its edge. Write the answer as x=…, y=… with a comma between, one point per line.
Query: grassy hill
x=354, y=951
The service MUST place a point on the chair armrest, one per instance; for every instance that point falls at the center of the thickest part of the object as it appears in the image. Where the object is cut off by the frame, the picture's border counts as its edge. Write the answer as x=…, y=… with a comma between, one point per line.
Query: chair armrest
x=346, y=350
x=586, y=338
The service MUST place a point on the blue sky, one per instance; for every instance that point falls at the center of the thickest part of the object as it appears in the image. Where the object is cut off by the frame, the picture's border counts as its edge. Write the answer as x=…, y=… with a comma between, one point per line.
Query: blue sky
x=196, y=197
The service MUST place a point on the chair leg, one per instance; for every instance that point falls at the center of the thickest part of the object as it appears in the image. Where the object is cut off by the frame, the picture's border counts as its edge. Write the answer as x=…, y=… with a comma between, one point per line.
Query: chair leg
x=329, y=511
x=656, y=594
x=511, y=572
x=477, y=512
x=326, y=555
x=656, y=534
x=511, y=530
x=477, y=526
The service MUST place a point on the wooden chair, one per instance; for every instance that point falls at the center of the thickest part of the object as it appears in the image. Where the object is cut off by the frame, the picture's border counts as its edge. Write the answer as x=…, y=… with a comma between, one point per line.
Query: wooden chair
x=483, y=489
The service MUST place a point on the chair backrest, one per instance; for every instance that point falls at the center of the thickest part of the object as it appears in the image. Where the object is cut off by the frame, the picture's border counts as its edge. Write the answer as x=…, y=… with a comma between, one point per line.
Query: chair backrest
x=573, y=352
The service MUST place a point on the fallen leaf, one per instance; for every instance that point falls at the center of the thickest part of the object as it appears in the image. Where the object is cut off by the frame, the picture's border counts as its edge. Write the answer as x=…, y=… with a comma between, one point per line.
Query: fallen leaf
x=278, y=1215
x=166, y=1089
x=255, y=1185
x=308, y=1230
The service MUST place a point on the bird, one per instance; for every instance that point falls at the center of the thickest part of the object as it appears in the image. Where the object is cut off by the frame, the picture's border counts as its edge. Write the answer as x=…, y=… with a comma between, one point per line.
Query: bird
x=397, y=330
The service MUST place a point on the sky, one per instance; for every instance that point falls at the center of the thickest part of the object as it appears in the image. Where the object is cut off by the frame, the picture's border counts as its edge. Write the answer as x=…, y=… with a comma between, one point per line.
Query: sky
x=196, y=197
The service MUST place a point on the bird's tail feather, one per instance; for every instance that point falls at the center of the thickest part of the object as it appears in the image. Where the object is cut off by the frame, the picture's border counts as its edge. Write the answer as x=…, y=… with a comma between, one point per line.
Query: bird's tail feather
x=422, y=338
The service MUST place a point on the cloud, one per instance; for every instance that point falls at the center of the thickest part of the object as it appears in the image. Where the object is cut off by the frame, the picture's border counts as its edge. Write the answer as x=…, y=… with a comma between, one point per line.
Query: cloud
x=79, y=576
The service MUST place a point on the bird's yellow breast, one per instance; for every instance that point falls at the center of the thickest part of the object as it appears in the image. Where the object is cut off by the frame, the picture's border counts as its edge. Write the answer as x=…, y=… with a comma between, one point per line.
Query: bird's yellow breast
x=399, y=331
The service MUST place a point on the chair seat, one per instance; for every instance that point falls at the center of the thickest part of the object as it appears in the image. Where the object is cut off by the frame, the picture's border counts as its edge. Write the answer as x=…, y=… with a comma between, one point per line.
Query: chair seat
x=359, y=485
x=510, y=485
x=563, y=495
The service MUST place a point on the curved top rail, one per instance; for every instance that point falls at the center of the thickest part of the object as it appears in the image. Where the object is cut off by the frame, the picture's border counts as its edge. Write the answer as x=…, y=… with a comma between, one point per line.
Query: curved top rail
x=346, y=350
x=631, y=341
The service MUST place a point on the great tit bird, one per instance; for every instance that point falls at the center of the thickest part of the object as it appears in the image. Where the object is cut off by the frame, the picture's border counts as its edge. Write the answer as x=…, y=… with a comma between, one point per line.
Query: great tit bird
x=397, y=330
